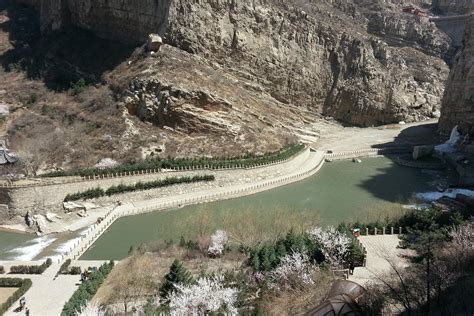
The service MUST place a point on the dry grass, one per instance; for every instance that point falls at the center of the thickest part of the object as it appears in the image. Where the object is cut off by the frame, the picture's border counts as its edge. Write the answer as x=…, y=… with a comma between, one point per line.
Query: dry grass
x=5, y=293
x=298, y=301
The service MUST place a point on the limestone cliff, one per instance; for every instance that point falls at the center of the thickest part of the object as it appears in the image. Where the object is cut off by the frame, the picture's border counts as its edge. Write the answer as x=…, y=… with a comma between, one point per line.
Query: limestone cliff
x=359, y=64
x=458, y=101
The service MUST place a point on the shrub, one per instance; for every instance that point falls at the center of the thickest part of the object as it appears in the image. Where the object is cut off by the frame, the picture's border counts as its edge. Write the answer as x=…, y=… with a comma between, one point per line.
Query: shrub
x=22, y=269
x=65, y=267
x=23, y=286
x=78, y=87
x=75, y=270
x=86, y=195
x=139, y=186
x=2, y=270
x=86, y=290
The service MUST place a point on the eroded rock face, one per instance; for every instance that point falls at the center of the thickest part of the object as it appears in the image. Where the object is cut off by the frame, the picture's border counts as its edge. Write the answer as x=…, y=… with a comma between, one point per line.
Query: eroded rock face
x=337, y=58
x=458, y=101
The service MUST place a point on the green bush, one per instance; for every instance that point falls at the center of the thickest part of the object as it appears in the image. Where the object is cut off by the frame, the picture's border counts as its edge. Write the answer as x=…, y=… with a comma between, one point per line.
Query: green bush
x=139, y=186
x=23, y=286
x=75, y=270
x=152, y=163
x=22, y=269
x=78, y=87
x=86, y=195
x=86, y=290
x=65, y=267
x=2, y=270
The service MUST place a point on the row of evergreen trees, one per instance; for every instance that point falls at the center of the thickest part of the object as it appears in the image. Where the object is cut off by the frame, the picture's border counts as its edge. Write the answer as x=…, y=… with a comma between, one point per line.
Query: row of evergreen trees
x=153, y=163
x=139, y=186
x=267, y=257
x=86, y=290
x=34, y=269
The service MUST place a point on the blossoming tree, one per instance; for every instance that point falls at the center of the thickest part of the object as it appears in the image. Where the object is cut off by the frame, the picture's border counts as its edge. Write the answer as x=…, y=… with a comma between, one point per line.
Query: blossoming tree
x=207, y=295
x=334, y=244
x=218, y=242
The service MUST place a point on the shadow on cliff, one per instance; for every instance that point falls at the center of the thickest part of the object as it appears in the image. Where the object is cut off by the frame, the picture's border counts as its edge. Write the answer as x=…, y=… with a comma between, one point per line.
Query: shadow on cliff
x=61, y=58
x=395, y=183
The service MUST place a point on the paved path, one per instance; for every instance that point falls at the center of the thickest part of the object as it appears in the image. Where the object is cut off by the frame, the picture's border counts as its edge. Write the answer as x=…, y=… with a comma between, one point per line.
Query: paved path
x=48, y=293
x=382, y=252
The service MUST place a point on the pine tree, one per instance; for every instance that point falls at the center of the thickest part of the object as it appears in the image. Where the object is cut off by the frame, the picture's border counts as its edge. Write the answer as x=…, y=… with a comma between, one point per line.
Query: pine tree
x=255, y=262
x=177, y=275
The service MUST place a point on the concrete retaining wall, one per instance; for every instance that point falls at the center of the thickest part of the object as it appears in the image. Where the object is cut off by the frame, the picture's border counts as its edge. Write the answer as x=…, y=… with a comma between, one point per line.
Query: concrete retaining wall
x=46, y=195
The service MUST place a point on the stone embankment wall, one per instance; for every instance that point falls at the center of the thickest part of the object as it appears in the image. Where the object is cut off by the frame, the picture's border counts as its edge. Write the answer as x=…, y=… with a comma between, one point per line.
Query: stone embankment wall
x=48, y=196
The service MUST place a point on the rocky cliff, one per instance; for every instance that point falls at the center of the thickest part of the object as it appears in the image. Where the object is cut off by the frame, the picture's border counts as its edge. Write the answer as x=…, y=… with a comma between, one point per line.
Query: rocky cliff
x=358, y=64
x=458, y=101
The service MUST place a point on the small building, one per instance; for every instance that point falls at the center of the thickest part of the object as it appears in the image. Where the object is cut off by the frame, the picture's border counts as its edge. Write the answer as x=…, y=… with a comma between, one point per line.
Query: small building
x=6, y=158
x=420, y=13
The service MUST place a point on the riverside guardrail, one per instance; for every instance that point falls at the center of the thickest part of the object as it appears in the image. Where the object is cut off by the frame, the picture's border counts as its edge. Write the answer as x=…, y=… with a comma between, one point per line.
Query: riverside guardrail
x=190, y=199
x=366, y=153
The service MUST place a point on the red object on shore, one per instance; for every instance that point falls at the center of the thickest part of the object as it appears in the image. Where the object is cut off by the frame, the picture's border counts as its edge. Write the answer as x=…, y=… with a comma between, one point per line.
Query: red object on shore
x=419, y=12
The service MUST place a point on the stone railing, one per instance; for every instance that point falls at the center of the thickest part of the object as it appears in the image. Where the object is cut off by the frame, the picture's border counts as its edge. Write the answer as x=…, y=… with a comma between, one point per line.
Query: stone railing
x=75, y=179
x=189, y=199
x=367, y=231
x=371, y=152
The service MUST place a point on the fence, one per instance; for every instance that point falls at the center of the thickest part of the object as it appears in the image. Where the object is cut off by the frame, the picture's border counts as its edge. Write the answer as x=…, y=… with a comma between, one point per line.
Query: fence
x=367, y=152
x=76, y=179
x=367, y=231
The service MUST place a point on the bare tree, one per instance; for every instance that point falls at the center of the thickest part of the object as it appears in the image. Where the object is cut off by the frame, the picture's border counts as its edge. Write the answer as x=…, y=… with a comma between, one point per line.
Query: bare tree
x=133, y=283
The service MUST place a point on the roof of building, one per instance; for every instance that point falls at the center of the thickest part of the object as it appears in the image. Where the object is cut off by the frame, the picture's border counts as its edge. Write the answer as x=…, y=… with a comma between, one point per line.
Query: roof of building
x=342, y=300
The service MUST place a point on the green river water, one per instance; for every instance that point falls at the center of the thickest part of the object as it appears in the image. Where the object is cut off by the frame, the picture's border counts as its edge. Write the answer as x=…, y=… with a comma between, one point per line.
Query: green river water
x=340, y=192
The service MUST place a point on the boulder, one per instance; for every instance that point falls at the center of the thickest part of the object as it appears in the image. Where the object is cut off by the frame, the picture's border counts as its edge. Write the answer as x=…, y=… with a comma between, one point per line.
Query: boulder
x=422, y=151
x=72, y=206
x=51, y=217
x=154, y=42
